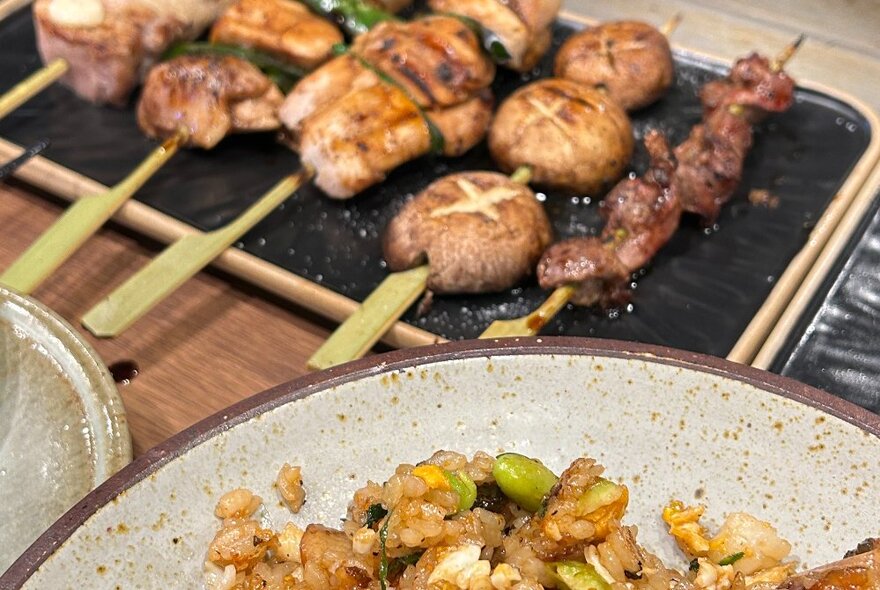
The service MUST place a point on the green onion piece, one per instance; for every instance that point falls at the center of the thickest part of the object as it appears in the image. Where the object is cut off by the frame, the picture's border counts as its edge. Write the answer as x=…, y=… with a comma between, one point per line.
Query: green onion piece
x=355, y=16
x=375, y=513
x=574, y=575
x=694, y=565
x=398, y=564
x=282, y=73
x=464, y=487
x=438, y=142
x=383, y=555
x=732, y=559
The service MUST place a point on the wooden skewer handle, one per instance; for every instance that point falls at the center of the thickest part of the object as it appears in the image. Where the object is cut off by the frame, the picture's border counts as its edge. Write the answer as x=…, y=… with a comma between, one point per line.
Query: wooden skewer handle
x=177, y=263
x=375, y=316
x=81, y=221
x=31, y=86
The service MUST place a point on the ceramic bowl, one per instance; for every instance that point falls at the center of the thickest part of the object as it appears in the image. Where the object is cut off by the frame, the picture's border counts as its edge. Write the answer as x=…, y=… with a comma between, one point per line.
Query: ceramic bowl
x=669, y=424
x=62, y=424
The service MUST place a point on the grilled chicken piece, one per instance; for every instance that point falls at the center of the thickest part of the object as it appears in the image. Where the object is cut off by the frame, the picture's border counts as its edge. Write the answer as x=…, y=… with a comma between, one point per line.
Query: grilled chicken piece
x=359, y=139
x=641, y=214
x=479, y=232
x=283, y=28
x=211, y=96
x=753, y=84
x=323, y=87
x=629, y=60
x=110, y=44
x=710, y=163
x=522, y=26
x=572, y=136
x=437, y=60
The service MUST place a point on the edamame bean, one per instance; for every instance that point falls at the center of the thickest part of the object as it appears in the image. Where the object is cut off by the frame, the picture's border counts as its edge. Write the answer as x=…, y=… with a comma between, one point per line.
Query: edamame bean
x=524, y=480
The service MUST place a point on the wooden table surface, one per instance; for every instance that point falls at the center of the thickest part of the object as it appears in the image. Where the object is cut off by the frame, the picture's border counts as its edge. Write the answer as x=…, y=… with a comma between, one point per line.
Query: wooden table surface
x=192, y=358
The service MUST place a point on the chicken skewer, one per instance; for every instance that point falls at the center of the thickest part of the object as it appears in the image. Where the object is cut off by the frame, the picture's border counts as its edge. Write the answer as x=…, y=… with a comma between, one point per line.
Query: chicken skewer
x=357, y=131
x=188, y=100
x=692, y=167
x=479, y=232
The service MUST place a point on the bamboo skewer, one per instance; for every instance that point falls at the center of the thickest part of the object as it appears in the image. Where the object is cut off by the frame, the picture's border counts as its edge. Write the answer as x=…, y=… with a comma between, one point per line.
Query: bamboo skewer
x=180, y=261
x=31, y=86
x=81, y=221
x=10, y=167
x=531, y=324
x=378, y=312
x=669, y=26
x=7, y=7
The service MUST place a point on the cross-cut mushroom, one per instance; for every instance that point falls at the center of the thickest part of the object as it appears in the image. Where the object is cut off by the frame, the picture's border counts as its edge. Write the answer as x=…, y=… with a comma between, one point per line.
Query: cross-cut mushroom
x=571, y=136
x=478, y=231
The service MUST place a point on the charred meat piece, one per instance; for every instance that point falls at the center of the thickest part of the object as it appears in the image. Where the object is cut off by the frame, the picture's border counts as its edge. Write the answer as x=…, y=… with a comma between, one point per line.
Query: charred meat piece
x=110, y=44
x=571, y=136
x=465, y=125
x=438, y=60
x=211, y=96
x=356, y=141
x=710, y=162
x=323, y=87
x=753, y=84
x=857, y=572
x=479, y=232
x=286, y=29
x=642, y=214
x=591, y=264
x=521, y=26
x=629, y=60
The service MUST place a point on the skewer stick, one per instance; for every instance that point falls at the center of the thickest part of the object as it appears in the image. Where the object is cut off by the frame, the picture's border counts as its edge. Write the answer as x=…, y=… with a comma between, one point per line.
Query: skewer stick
x=378, y=312
x=32, y=85
x=532, y=323
x=9, y=168
x=179, y=262
x=81, y=221
x=669, y=26
x=7, y=7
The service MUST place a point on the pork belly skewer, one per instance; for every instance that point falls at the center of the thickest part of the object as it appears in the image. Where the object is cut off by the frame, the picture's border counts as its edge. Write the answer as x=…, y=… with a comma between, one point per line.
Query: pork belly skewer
x=471, y=232
x=382, y=126
x=585, y=272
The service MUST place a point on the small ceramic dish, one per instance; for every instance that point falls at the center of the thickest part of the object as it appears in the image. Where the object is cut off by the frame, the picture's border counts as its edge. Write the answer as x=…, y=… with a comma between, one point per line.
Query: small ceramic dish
x=62, y=424
x=669, y=424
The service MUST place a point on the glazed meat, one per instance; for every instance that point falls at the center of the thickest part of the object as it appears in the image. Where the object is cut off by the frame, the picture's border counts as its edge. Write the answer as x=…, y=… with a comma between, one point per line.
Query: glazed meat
x=522, y=26
x=571, y=136
x=283, y=28
x=629, y=60
x=642, y=214
x=436, y=59
x=754, y=84
x=211, y=96
x=110, y=44
x=478, y=231
x=860, y=570
x=356, y=141
x=710, y=162
x=362, y=114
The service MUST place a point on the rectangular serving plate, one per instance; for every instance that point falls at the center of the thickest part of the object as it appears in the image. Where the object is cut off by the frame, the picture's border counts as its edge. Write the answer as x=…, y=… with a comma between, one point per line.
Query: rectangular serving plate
x=679, y=304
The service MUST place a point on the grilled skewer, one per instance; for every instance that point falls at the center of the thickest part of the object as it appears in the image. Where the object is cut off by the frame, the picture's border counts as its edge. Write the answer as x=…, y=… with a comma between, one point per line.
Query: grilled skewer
x=473, y=232
x=704, y=156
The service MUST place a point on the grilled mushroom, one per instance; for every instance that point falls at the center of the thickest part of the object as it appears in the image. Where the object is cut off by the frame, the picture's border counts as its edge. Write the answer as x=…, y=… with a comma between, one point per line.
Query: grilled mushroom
x=629, y=60
x=478, y=231
x=571, y=136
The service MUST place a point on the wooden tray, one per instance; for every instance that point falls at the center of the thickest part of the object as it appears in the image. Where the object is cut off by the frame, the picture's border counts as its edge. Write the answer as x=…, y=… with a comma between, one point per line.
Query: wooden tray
x=718, y=294
x=827, y=337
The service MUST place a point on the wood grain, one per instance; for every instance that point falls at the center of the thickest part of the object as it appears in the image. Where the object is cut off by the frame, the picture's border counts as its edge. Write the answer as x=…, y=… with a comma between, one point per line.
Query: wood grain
x=213, y=342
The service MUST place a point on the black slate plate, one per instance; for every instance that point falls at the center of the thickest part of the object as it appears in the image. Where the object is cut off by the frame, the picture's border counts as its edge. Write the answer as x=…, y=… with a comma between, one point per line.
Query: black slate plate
x=835, y=346
x=699, y=294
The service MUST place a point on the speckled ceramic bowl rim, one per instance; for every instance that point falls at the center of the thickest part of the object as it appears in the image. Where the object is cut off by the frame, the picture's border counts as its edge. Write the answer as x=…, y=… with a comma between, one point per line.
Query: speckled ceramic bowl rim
x=118, y=438
x=308, y=385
